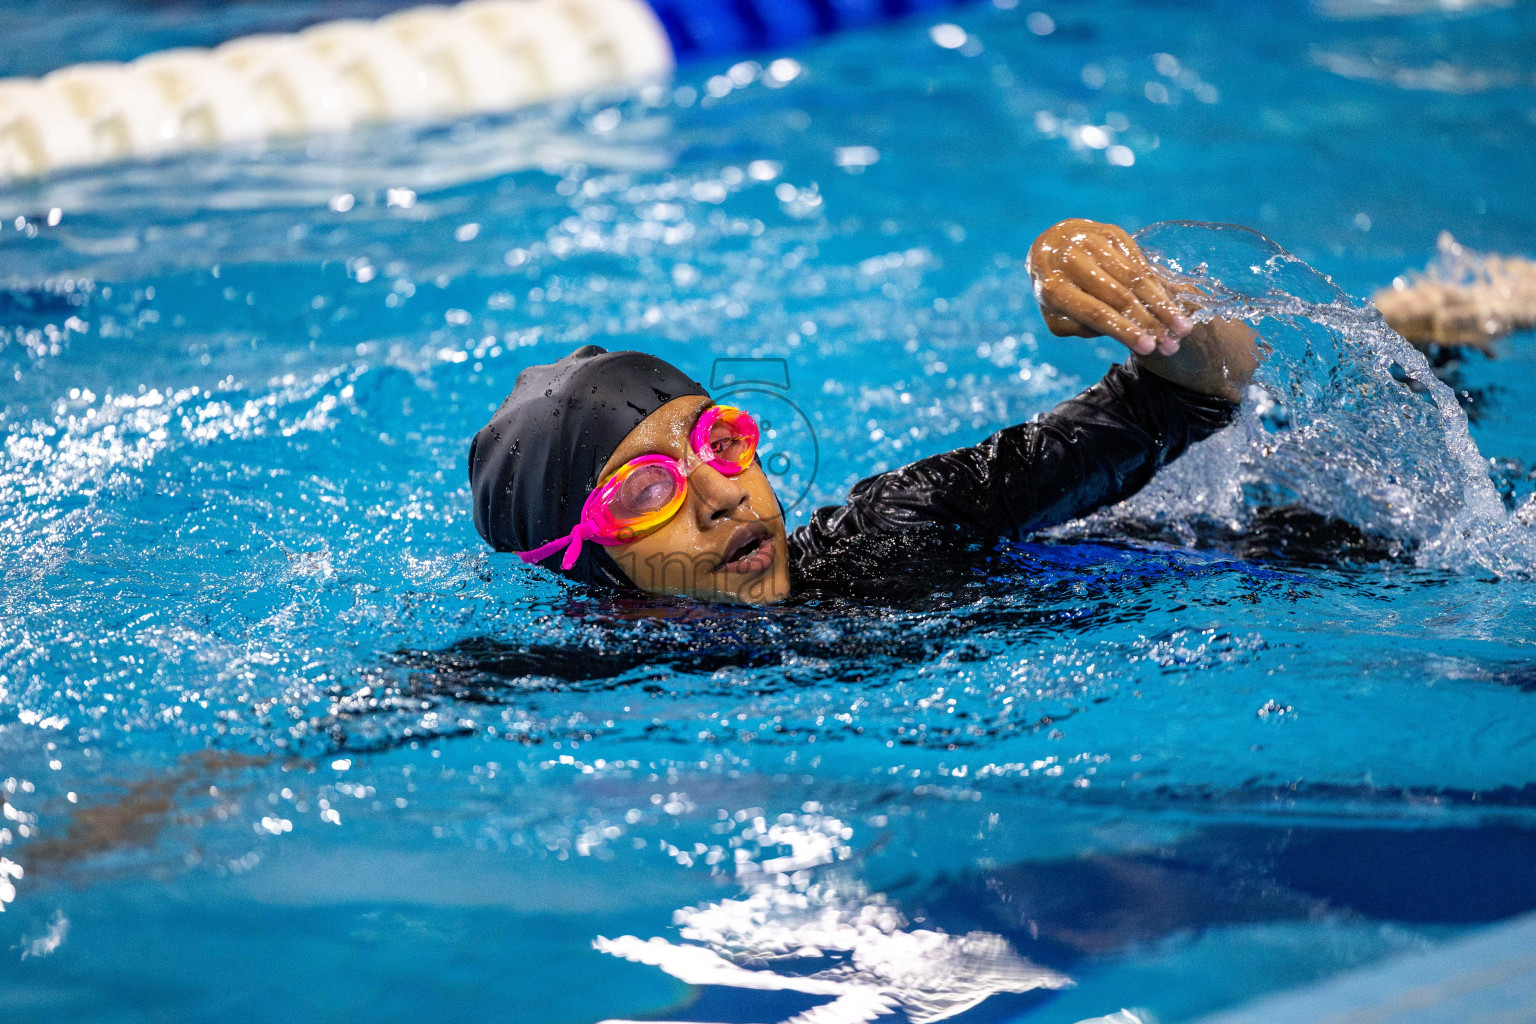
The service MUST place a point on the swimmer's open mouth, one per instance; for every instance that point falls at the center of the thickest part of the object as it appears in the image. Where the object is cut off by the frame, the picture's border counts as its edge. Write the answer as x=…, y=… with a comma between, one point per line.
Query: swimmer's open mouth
x=750, y=550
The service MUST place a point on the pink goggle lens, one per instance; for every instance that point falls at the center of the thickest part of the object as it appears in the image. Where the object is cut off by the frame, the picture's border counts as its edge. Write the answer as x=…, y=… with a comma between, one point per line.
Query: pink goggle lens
x=726, y=438
x=647, y=490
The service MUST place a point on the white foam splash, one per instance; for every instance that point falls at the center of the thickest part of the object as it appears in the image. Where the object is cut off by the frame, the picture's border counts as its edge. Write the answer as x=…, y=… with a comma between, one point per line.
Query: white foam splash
x=875, y=964
x=1121, y=1017
x=52, y=939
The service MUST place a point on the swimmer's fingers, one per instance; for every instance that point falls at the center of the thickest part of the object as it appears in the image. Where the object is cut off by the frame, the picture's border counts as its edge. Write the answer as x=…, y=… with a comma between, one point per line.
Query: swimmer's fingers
x=1146, y=283
x=1065, y=326
x=1126, y=246
x=1160, y=293
x=1091, y=276
x=1083, y=310
x=1122, y=252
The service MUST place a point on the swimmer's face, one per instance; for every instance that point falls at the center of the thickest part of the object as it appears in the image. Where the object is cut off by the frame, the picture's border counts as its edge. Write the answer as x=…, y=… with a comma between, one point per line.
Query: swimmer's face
x=726, y=543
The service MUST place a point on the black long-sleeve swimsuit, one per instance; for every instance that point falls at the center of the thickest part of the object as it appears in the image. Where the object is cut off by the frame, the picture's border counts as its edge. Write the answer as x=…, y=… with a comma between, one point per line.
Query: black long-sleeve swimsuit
x=1091, y=451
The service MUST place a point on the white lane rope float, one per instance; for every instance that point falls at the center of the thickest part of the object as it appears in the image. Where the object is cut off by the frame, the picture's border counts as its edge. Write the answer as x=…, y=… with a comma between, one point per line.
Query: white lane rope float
x=426, y=63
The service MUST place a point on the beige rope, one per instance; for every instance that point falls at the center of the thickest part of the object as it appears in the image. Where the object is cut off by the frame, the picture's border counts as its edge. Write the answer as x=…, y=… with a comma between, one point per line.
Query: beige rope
x=419, y=64
x=1462, y=298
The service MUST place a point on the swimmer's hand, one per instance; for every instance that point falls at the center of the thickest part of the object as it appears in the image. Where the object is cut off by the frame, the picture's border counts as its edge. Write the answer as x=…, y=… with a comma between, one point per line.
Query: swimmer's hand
x=1091, y=279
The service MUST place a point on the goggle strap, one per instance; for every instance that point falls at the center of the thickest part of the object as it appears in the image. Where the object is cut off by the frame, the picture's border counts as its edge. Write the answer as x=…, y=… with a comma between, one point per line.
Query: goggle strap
x=583, y=530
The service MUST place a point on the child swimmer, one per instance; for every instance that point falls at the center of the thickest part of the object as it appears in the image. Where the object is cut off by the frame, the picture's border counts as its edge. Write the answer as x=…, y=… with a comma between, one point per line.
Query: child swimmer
x=616, y=469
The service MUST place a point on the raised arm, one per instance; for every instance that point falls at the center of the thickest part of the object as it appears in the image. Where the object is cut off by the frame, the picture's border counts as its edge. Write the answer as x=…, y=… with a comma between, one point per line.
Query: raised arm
x=1093, y=450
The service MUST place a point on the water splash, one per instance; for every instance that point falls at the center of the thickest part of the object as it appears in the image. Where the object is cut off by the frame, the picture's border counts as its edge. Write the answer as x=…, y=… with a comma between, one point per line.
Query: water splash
x=1344, y=418
x=819, y=933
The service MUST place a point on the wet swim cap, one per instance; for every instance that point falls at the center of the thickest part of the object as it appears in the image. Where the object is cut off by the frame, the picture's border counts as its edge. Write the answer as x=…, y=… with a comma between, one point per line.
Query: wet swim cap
x=533, y=465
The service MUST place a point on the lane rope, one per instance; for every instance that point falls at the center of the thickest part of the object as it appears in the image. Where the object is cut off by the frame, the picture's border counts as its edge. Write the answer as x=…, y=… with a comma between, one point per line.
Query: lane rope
x=1463, y=298
x=424, y=63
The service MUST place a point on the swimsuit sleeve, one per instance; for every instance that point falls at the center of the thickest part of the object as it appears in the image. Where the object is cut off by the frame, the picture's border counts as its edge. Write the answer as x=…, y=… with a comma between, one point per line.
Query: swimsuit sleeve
x=1090, y=451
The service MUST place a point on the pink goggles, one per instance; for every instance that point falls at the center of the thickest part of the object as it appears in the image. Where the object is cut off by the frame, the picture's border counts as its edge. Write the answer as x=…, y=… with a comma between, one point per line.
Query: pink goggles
x=646, y=492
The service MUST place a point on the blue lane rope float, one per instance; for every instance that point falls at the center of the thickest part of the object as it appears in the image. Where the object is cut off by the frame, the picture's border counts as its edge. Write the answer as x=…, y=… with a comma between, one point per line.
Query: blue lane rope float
x=426, y=63
x=718, y=27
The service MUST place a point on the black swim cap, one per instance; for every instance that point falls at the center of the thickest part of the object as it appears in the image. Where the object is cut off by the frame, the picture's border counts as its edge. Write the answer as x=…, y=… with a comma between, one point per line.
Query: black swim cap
x=533, y=465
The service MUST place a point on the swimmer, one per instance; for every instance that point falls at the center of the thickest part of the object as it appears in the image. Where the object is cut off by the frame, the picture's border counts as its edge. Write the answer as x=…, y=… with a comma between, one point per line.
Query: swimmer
x=616, y=469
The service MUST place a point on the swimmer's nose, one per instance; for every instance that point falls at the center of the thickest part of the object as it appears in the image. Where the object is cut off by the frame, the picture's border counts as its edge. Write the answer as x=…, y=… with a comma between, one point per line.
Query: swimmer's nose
x=715, y=496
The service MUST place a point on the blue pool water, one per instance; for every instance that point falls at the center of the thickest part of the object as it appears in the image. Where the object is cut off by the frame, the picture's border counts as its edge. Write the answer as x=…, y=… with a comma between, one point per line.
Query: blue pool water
x=279, y=740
